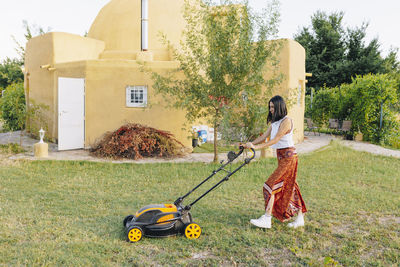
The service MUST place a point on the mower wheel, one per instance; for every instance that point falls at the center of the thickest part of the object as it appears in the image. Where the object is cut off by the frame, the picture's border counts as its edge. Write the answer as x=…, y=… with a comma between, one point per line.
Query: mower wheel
x=127, y=218
x=134, y=234
x=192, y=230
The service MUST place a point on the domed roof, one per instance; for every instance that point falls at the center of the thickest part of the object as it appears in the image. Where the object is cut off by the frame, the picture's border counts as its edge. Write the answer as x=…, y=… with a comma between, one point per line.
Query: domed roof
x=118, y=24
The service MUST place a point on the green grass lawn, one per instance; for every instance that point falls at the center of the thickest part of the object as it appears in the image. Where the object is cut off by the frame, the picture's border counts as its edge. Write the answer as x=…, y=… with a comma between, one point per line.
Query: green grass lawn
x=60, y=213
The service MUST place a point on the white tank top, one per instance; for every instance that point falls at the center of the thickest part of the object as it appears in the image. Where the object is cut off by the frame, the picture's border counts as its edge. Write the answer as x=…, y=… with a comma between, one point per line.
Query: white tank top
x=286, y=140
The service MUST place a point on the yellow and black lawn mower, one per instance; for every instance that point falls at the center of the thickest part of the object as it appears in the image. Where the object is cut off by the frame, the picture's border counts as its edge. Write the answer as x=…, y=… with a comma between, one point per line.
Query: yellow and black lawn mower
x=162, y=220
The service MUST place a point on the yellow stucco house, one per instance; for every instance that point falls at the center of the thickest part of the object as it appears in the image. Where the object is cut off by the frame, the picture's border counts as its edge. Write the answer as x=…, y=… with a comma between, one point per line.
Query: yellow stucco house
x=94, y=84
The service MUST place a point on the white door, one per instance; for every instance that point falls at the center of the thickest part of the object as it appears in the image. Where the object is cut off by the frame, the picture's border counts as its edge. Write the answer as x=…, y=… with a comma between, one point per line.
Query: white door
x=71, y=113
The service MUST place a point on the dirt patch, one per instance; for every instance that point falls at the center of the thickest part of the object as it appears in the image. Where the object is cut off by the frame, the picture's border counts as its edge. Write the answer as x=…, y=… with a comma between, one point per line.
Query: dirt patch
x=389, y=220
x=349, y=228
x=346, y=226
x=272, y=256
x=203, y=255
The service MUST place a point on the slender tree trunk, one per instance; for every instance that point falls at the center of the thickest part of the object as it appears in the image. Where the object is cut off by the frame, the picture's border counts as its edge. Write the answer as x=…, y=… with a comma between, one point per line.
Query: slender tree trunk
x=28, y=119
x=215, y=136
x=215, y=144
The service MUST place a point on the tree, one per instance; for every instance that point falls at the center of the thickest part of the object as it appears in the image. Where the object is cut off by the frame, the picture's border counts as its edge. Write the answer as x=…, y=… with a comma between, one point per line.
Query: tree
x=221, y=69
x=360, y=58
x=325, y=48
x=392, y=68
x=12, y=107
x=10, y=72
x=334, y=54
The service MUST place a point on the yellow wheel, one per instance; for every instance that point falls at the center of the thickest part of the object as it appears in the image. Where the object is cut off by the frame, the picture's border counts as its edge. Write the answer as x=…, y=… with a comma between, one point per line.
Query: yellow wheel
x=192, y=231
x=134, y=234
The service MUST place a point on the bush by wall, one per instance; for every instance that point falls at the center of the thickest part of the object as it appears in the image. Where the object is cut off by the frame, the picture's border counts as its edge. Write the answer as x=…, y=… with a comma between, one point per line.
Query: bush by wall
x=12, y=107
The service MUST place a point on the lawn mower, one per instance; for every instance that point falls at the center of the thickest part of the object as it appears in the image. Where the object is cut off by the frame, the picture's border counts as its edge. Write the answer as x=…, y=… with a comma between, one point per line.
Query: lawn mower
x=162, y=220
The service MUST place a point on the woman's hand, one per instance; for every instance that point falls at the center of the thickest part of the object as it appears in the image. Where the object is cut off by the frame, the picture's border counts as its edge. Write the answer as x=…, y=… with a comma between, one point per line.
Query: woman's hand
x=249, y=145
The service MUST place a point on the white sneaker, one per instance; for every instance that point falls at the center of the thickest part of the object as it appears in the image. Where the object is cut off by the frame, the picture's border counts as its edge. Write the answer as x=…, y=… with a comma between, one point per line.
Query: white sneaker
x=298, y=222
x=262, y=222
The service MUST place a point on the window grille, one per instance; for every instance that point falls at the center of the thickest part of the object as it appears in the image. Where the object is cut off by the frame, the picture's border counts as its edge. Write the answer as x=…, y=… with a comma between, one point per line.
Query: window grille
x=136, y=96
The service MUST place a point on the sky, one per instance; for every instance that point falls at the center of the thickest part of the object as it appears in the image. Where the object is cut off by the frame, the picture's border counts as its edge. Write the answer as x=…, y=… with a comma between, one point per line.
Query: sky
x=76, y=16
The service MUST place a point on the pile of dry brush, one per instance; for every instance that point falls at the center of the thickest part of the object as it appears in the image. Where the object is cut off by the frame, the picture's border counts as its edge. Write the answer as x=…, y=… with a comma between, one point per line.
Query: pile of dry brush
x=135, y=141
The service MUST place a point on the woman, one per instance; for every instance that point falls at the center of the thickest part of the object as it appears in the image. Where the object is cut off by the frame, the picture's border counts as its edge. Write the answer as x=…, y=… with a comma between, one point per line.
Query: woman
x=281, y=191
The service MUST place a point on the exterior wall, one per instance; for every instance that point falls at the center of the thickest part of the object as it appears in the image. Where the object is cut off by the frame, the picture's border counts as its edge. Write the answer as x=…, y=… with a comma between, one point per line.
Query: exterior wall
x=47, y=50
x=292, y=66
x=118, y=24
x=296, y=87
x=70, y=47
x=161, y=20
x=39, y=51
x=106, y=110
x=105, y=98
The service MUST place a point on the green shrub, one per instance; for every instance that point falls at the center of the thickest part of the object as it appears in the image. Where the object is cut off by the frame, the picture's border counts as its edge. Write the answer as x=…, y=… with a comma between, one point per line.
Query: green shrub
x=393, y=138
x=10, y=72
x=325, y=105
x=12, y=107
x=362, y=102
x=367, y=96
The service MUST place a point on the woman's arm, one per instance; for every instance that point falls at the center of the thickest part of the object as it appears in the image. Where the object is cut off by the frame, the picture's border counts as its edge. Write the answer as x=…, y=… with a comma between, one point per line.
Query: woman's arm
x=262, y=138
x=284, y=128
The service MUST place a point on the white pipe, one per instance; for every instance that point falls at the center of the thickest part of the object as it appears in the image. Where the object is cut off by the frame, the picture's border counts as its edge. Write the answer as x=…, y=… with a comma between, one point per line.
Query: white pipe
x=145, y=33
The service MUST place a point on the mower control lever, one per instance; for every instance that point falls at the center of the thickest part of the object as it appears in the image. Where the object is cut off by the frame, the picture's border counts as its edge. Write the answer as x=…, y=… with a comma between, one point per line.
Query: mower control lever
x=247, y=160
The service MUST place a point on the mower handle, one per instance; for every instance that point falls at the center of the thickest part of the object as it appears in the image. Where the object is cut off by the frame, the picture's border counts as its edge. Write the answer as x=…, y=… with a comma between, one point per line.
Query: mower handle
x=231, y=157
x=247, y=160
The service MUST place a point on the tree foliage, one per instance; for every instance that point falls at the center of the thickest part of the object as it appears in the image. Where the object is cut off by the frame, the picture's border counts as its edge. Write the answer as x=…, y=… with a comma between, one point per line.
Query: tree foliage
x=221, y=67
x=334, y=54
x=14, y=114
x=325, y=105
x=363, y=102
x=12, y=107
x=372, y=96
x=10, y=72
x=392, y=67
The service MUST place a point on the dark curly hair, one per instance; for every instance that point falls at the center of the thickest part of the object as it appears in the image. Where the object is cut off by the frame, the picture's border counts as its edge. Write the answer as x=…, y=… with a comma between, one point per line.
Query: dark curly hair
x=280, y=110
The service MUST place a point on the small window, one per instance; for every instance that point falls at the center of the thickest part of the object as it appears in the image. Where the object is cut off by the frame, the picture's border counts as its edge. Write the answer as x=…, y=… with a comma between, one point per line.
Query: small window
x=136, y=96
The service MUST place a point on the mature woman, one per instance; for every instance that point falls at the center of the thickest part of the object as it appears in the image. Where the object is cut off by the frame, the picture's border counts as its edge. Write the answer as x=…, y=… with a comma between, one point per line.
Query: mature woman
x=281, y=191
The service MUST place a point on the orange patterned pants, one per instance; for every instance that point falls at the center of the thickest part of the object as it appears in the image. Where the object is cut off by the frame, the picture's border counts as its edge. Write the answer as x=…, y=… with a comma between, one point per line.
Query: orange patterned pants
x=282, y=183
